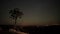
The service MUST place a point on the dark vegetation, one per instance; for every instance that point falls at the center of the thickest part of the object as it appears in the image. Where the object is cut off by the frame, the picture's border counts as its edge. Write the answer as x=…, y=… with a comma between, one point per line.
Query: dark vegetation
x=55, y=29
x=4, y=29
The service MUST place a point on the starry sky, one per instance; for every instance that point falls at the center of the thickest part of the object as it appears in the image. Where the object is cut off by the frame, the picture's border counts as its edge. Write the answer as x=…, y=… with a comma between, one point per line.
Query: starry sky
x=36, y=12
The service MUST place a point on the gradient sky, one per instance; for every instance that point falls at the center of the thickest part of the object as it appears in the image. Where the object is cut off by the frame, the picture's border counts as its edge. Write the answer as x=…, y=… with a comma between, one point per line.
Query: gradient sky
x=36, y=12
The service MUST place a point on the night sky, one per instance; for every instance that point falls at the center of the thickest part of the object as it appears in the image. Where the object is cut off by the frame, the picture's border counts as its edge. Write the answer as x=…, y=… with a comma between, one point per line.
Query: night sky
x=36, y=12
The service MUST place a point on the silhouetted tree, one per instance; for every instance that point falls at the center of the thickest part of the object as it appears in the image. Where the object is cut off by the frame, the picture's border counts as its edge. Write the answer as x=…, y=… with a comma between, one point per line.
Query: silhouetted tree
x=15, y=13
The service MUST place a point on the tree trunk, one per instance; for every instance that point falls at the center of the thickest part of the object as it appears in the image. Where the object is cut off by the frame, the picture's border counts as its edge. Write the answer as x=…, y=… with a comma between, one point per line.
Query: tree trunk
x=15, y=21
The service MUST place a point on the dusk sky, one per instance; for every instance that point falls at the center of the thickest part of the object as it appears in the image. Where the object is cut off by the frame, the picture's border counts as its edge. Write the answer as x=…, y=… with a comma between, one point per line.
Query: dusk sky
x=36, y=12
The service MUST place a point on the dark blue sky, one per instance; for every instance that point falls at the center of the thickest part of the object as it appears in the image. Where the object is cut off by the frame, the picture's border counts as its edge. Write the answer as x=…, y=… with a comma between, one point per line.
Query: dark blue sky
x=36, y=12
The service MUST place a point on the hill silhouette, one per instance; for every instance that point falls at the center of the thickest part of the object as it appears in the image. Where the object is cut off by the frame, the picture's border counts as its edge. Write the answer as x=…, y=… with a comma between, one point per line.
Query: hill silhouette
x=34, y=29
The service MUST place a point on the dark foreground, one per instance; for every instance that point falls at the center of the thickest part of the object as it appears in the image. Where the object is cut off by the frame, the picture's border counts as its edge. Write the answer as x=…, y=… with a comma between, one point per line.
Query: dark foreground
x=54, y=29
